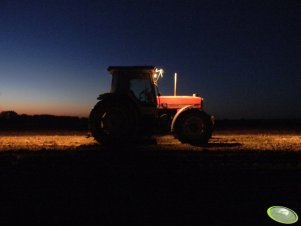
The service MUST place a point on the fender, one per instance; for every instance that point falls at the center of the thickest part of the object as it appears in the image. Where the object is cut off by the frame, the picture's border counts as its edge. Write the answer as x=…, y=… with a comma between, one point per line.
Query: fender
x=182, y=110
x=116, y=97
x=108, y=98
x=104, y=96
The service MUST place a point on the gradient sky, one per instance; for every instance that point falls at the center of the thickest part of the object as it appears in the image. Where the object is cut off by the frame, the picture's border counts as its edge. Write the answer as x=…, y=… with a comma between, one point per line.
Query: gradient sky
x=243, y=57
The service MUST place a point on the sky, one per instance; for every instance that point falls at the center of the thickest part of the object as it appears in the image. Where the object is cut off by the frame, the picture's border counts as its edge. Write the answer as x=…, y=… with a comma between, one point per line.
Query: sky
x=242, y=57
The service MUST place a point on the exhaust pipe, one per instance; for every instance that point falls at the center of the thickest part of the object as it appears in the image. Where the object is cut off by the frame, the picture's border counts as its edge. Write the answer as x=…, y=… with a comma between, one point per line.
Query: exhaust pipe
x=175, y=85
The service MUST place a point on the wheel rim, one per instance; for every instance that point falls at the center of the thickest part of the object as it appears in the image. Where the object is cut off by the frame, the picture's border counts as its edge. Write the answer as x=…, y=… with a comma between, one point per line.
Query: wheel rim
x=194, y=127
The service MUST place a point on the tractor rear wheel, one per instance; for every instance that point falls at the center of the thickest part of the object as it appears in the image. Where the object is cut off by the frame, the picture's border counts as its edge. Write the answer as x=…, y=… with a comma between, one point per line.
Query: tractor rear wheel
x=194, y=127
x=113, y=122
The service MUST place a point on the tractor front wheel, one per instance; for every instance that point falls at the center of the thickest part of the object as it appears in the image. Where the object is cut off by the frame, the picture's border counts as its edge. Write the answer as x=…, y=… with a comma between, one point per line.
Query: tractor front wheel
x=194, y=127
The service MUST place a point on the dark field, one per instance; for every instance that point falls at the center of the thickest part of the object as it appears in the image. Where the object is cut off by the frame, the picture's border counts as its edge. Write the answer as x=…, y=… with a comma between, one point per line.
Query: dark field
x=50, y=178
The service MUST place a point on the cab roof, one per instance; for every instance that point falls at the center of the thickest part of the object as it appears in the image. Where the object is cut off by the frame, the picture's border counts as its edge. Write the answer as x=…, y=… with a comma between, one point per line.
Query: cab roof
x=113, y=69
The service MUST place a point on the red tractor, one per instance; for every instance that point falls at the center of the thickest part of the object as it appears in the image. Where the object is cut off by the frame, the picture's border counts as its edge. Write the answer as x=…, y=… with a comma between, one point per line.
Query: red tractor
x=134, y=109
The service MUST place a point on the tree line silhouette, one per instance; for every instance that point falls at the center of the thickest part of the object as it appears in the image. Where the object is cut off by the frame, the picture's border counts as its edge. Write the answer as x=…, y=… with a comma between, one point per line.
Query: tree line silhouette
x=10, y=120
x=273, y=124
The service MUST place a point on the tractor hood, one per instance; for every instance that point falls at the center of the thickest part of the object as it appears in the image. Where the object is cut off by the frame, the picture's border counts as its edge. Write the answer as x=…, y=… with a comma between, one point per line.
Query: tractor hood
x=178, y=102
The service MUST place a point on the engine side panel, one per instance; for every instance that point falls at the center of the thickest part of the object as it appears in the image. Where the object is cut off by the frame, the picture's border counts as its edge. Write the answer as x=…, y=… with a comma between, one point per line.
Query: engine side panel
x=178, y=102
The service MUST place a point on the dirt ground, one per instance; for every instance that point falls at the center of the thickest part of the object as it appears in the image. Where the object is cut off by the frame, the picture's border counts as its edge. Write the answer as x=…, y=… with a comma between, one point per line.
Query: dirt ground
x=51, y=178
x=221, y=141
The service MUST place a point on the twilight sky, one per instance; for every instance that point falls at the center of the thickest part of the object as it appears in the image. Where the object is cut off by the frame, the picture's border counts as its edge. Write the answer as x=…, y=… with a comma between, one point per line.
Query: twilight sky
x=243, y=57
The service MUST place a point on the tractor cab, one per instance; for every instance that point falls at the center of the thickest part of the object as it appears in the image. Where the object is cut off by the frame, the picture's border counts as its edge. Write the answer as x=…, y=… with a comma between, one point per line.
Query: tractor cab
x=135, y=82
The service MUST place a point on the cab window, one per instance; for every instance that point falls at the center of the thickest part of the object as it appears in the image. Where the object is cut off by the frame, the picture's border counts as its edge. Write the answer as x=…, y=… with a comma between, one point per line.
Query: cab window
x=141, y=89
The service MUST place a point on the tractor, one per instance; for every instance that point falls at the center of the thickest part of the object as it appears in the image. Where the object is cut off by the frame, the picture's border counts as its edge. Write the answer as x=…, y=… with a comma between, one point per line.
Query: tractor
x=134, y=109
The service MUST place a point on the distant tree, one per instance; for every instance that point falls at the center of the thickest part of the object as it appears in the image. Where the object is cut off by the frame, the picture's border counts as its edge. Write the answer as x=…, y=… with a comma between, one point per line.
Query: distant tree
x=9, y=115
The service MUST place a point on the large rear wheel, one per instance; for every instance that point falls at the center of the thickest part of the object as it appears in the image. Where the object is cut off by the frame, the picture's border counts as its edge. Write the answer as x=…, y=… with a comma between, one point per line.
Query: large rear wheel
x=113, y=122
x=194, y=127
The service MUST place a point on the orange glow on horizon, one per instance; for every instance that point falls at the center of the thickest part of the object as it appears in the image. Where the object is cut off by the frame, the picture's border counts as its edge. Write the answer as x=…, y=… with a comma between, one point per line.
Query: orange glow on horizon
x=47, y=109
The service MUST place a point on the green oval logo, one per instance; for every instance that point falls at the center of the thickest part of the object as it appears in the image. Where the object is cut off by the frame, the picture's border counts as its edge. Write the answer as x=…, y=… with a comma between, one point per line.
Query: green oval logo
x=282, y=214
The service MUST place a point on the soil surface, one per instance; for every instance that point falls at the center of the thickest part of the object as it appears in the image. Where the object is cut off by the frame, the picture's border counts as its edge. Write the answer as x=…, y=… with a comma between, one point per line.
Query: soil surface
x=223, y=140
x=50, y=178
